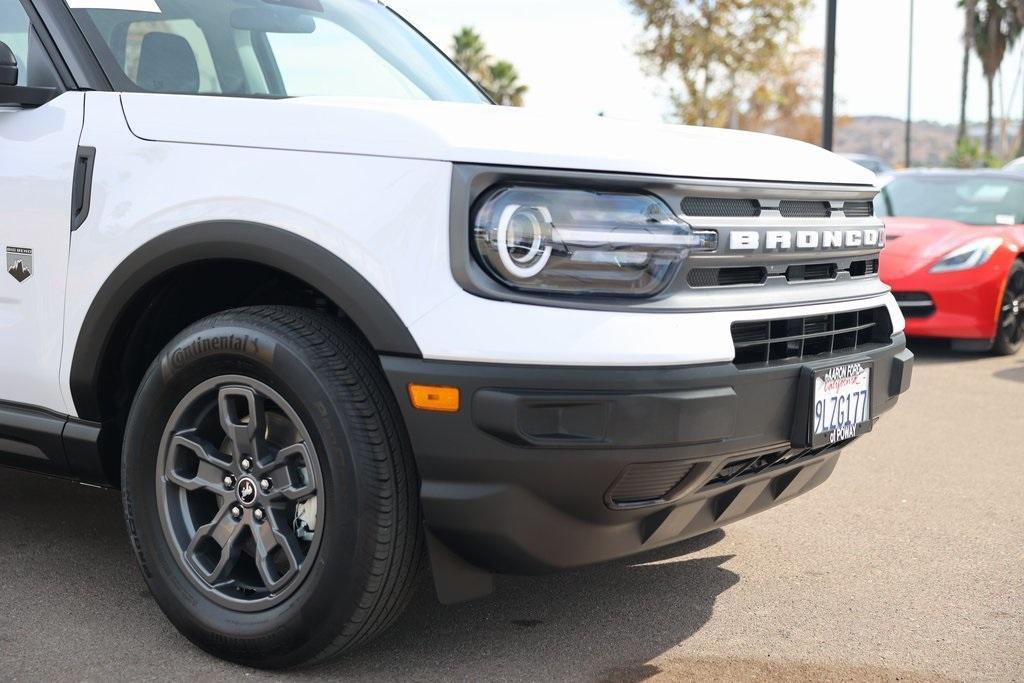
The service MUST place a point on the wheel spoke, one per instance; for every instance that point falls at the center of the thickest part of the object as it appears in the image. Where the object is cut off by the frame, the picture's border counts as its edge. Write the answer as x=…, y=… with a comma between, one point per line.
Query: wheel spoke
x=224, y=532
x=272, y=541
x=288, y=482
x=212, y=464
x=243, y=418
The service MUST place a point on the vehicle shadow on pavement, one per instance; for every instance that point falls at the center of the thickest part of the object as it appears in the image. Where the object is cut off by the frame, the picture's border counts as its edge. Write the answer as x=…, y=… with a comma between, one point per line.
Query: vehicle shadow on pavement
x=606, y=612
x=1014, y=374
x=72, y=599
x=938, y=351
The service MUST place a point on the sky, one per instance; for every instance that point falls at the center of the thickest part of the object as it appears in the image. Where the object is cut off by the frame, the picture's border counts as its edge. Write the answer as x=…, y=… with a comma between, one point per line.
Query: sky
x=579, y=55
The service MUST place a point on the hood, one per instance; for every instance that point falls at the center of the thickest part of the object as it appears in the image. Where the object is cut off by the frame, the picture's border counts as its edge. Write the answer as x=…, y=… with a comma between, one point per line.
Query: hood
x=483, y=134
x=912, y=244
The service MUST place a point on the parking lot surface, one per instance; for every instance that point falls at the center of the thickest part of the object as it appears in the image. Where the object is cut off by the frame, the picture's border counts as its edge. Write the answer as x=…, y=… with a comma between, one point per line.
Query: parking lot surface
x=908, y=564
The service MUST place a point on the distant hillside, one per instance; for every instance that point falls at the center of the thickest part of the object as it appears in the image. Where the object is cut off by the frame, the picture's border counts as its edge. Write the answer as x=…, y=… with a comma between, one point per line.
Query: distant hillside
x=883, y=136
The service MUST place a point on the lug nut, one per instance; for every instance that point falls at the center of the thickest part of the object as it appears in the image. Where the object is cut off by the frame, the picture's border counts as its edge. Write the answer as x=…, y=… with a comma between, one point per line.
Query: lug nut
x=265, y=485
x=258, y=514
x=236, y=512
x=246, y=464
x=229, y=482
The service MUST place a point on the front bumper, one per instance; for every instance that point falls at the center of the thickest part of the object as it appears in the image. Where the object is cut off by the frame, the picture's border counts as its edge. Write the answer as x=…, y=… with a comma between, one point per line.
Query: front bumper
x=964, y=305
x=550, y=468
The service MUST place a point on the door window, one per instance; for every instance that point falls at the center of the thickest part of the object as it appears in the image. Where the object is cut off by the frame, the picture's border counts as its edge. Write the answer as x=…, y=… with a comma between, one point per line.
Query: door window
x=14, y=28
x=34, y=66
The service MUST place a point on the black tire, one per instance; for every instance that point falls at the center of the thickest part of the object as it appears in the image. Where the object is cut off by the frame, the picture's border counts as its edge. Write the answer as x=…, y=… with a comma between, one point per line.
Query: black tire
x=357, y=573
x=1010, y=334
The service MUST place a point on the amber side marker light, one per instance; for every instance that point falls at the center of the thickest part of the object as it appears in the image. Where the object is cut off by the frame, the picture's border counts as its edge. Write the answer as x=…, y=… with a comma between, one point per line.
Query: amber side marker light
x=434, y=399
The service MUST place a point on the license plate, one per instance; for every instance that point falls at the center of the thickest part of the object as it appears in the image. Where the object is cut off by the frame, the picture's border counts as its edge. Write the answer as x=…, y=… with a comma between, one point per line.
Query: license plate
x=842, y=403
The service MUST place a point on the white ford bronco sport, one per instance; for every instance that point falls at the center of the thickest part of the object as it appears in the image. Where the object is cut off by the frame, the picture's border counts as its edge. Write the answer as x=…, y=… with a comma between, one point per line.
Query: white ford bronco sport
x=282, y=274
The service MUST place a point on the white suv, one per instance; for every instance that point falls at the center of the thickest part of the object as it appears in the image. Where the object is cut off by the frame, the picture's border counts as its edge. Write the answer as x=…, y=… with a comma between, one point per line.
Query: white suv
x=280, y=272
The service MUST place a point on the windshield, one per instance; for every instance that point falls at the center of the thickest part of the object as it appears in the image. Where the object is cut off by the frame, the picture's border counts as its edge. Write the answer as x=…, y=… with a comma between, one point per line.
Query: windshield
x=975, y=200
x=267, y=48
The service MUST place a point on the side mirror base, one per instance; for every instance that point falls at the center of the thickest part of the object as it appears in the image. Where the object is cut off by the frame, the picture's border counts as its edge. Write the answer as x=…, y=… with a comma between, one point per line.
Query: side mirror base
x=25, y=96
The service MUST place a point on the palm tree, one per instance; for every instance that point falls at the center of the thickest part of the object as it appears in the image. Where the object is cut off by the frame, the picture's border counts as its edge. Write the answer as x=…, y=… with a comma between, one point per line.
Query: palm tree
x=993, y=32
x=504, y=86
x=970, y=8
x=470, y=53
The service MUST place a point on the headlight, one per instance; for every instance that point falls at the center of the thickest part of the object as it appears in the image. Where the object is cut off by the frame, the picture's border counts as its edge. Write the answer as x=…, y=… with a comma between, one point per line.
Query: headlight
x=971, y=255
x=581, y=242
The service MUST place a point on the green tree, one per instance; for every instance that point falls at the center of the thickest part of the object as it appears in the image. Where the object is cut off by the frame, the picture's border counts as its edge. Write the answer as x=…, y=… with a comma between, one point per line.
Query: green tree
x=470, y=53
x=720, y=51
x=499, y=78
x=995, y=30
x=504, y=86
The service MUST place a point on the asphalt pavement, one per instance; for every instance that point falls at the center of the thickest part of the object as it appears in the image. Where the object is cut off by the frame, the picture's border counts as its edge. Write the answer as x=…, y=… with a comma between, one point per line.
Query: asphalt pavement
x=908, y=564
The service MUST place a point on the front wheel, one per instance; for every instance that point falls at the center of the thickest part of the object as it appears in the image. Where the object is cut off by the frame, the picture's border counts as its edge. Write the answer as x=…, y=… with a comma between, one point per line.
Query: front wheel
x=269, y=490
x=1010, y=335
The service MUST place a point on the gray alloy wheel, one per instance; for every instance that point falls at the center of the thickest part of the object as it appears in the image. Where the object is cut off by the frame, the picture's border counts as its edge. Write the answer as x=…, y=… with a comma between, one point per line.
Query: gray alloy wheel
x=238, y=489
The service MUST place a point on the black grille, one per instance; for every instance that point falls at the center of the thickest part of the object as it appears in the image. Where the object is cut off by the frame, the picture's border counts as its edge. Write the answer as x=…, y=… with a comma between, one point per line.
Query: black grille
x=862, y=268
x=747, y=467
x=915, y=304
x=646, y=483
x=859, y=209
x=804, y=209
x=769, y=341
x=812, y=271
x=725, y=277
x=721, y=206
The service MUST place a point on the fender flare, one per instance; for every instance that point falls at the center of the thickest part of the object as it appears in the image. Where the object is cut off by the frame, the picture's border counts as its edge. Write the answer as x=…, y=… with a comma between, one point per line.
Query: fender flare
x=240, y=241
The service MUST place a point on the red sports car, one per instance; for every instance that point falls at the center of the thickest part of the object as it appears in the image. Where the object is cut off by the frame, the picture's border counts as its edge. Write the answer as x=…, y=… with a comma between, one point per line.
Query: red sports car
x=954, y=255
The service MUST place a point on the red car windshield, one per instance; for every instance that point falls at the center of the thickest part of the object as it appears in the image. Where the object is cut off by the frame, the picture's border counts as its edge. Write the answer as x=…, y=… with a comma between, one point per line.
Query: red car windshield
x=971, y=199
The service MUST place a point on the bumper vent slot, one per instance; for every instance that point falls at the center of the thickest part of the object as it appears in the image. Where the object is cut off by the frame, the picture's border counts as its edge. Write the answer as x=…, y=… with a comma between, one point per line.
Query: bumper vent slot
x=721, y=207
x=647, y=483
x=770, y=341
x=790, y=208
x=739, y=469
x=726, y=277
x=859, y=209
x=812, y=271
x=915, y=304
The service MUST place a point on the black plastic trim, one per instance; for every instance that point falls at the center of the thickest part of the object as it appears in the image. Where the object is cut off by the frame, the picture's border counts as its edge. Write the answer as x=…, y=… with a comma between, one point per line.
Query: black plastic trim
x=81, y=193
x=26, y=96
x=511, y=490
x=240, y=241
x=40, y=440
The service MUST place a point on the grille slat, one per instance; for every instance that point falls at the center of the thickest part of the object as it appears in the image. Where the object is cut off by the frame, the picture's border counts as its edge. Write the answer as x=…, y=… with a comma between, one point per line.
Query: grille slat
x=859, y=209
x=724, y=207
x=863, y=268
x=727, y=277
x=765, y=342
x=792, y=208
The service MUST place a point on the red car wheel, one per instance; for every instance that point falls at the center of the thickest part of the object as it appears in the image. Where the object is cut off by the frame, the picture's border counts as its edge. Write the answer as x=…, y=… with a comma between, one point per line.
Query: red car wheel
x=1010, y=335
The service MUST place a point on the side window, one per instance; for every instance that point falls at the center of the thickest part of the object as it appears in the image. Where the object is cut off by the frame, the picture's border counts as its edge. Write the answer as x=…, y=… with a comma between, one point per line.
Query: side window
x=14, y=28
x=34, y=66
x=170, y=56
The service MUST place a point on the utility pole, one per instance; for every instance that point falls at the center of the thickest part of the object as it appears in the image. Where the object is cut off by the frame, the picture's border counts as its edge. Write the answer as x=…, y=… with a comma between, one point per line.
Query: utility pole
x=828, y=123
x=910, y=82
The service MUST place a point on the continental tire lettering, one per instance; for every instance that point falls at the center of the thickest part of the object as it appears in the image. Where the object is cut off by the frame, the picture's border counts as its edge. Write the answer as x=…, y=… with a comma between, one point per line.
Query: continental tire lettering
x=177, y=358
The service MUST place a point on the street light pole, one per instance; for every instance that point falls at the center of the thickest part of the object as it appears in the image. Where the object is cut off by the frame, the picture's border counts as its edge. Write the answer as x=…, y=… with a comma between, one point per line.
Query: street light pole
x=828, y=120
x=910, y=83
